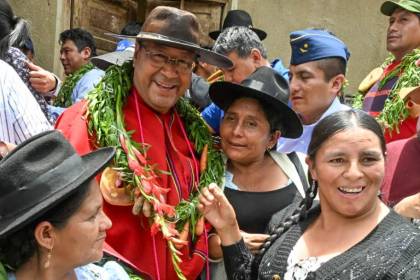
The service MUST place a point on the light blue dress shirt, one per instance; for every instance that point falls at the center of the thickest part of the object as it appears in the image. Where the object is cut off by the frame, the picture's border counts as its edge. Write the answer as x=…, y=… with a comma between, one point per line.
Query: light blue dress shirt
x=83, y=86
x=287, y=145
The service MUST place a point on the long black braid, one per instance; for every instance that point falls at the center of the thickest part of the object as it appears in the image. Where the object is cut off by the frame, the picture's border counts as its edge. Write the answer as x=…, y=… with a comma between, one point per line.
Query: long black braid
x=298, y=214
x=330, y=125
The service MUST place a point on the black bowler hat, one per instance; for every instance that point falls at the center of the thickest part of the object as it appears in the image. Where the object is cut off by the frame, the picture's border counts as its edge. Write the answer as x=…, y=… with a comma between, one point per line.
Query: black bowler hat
x=238, y=18
x=267, y=86
x=40, y=173
x=179, y=29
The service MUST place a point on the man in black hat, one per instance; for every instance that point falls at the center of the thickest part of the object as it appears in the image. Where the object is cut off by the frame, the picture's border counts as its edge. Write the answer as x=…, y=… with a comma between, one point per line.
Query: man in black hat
x=242, y=45
x=149, y=116
x=238, y=18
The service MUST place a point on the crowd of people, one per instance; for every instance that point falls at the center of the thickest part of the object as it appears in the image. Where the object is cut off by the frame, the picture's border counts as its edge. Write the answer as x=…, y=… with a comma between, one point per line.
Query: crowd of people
x=169, y=160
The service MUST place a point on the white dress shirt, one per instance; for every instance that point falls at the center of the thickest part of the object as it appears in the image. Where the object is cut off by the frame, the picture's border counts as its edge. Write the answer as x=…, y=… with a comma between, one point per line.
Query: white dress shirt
x=288, y=145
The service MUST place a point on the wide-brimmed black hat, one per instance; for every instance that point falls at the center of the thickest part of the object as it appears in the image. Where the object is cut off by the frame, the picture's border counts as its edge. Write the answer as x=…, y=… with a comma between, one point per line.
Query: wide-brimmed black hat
x=41, y=172
x=267, y=86
x=238, y=18
x=180, y=29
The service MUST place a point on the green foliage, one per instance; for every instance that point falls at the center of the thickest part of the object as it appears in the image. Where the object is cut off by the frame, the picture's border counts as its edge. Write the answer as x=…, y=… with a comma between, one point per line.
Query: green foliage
x=63, y=98
x=106, y=122
x=357, y=101
x=395, y=111
x=3, y=274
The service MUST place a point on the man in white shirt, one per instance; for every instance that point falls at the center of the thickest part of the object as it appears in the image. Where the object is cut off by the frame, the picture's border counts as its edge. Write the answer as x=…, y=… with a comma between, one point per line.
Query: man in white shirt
x=317, y=74
x=20, y=115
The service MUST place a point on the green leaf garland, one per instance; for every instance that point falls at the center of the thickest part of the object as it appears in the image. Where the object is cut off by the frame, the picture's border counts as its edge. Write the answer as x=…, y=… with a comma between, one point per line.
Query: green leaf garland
x=106, y=124
x=63, y=98
x=395, y=111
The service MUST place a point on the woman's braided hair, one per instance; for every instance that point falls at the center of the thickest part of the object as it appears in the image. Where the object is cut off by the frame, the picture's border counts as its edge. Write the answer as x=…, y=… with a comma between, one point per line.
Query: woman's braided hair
x=298, y=214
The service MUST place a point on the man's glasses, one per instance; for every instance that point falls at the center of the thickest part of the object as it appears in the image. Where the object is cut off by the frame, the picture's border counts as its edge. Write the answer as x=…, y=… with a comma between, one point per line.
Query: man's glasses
x=159, y=59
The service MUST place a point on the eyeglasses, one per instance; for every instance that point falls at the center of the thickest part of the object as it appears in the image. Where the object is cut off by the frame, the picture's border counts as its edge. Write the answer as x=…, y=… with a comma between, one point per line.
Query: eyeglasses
x=159, y=59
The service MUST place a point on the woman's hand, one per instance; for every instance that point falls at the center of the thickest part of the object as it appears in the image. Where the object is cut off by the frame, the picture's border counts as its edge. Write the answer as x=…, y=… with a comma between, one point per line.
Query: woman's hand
x=254, y=241
x=217, y=210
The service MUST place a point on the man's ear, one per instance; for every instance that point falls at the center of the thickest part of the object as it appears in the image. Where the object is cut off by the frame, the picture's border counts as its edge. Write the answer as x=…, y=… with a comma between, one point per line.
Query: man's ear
x=44, y=235
x=311, y=167
x=337, y=83
x=86, y=53
x=256, y=57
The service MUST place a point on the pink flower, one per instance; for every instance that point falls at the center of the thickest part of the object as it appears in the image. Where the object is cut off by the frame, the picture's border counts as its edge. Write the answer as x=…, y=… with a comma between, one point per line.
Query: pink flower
x=139, y=156
x=155, y=228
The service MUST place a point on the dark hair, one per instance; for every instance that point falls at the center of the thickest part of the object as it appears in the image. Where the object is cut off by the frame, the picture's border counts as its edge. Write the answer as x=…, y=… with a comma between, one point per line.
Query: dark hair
x=340, y=121
x=331, y=67
x=325, y=129
x=17, y=248
x=132, y=28
x=273, y=118
x=14, y=31
x=81, y=39
x=27, y=46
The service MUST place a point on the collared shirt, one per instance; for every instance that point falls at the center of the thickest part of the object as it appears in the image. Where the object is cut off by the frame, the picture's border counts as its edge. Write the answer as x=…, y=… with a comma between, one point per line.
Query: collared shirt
x=20, y=114
x=287, y=145
x=82, y=87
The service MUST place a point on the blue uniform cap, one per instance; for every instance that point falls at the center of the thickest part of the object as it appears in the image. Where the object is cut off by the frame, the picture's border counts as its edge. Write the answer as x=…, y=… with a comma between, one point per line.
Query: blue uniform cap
x=309, y=45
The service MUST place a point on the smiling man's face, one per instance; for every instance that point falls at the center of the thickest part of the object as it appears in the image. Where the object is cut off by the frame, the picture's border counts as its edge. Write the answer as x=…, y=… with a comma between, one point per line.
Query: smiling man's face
x=160, y=87
x=71, y=58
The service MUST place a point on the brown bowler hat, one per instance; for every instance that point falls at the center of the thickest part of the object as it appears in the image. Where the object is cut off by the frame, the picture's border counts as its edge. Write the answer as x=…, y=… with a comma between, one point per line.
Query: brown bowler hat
x=180, y=29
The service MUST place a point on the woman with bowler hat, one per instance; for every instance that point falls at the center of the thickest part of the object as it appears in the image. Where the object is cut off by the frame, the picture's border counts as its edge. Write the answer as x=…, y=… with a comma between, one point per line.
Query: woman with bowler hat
x=350, y=234
x=51, y=221
x=259, y=181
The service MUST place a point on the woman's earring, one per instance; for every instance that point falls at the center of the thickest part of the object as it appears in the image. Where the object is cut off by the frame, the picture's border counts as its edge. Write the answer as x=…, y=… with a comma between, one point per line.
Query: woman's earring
x=48, y=261
x=313, y=187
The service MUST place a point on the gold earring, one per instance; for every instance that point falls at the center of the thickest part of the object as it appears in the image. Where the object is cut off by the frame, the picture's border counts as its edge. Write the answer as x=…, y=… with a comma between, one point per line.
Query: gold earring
x=48, y=261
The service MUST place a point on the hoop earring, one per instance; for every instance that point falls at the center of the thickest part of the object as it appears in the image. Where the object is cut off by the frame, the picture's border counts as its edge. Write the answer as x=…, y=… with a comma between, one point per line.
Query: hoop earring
x=48, y=261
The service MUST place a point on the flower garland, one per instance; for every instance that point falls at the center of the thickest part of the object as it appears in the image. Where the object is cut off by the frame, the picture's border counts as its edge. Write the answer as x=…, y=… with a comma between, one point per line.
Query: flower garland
x=395, y=110
x=106, y=124
x=63, y=98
